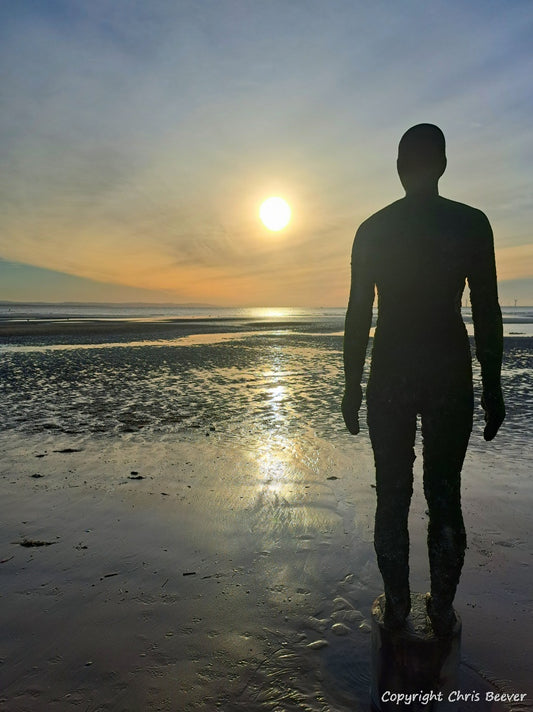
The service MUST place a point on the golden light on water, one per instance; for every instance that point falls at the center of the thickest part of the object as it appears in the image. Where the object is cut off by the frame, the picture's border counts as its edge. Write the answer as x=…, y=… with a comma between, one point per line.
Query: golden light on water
x=275, y=213
x=271, y=312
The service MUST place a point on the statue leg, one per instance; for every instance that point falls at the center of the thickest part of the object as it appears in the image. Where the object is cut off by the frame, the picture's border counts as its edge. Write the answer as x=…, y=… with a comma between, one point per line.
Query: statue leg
x=446, y=428
x=392, y=429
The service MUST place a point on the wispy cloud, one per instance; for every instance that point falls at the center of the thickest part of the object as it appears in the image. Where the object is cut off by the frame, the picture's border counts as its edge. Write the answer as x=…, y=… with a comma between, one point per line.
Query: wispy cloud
x=140, y=138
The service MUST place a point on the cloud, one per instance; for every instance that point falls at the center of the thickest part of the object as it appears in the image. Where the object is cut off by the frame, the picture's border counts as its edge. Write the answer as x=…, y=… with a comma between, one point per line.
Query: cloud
x=140, y=139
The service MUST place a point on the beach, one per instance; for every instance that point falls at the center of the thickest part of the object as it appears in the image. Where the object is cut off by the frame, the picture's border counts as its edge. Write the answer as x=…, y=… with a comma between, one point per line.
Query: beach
x=188, y=526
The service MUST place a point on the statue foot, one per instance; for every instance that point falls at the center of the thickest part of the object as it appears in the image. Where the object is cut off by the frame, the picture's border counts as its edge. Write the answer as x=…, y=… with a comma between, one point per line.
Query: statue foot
x=442, y=617
x=396, y=612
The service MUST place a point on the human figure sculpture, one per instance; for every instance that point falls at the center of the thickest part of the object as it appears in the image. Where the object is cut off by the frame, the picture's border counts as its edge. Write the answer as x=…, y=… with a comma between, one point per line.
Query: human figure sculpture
x=417, y=252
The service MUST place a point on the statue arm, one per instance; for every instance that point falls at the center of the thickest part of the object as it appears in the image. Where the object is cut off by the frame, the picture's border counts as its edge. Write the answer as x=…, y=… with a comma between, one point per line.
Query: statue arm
x=488, y=329
x=356, y=330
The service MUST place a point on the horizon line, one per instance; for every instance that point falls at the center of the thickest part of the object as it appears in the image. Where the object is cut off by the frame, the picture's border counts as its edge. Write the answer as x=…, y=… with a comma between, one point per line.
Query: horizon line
x=190, y=305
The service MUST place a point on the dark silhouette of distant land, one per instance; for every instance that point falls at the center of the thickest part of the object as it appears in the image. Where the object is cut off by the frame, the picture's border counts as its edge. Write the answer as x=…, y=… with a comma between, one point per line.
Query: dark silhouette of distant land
x=186, y=305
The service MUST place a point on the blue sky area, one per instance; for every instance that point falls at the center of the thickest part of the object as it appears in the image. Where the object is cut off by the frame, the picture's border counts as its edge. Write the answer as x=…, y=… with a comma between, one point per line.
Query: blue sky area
x=139, y=139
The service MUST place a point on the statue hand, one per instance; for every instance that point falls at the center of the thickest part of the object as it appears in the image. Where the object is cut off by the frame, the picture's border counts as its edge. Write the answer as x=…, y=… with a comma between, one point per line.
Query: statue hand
x=351, y=402
x=494, y=407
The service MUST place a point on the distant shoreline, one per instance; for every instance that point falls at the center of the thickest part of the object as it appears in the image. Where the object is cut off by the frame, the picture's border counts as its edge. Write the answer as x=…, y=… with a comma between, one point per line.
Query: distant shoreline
x=177, y=305
x=186, y=305
x=85, y=324
x=153, y=328
x=79, y=331
x=165, y=305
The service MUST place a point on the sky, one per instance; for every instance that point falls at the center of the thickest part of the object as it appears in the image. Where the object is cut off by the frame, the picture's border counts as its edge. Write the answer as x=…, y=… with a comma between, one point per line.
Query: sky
x=139, y=139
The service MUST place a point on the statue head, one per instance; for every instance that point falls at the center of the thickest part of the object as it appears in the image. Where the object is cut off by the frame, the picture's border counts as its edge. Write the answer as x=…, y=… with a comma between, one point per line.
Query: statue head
x=421, y=158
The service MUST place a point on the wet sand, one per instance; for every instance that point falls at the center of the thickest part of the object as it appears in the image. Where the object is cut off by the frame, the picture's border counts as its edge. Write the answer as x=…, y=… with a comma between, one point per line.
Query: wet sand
x=190, y=528
x=199, y=575
x=95, y=330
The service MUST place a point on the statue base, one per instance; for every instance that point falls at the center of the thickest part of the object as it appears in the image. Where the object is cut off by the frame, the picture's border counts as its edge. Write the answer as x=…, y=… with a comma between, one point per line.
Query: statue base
x=413, y=662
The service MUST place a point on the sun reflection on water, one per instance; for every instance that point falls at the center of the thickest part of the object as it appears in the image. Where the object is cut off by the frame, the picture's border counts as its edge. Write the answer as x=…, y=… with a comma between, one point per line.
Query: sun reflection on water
x=290, y=492
x=271, y=312
x=272, y=472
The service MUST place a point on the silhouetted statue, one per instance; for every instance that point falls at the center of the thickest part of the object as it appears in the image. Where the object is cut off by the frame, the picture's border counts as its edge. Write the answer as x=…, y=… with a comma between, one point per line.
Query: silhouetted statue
x=417, y=252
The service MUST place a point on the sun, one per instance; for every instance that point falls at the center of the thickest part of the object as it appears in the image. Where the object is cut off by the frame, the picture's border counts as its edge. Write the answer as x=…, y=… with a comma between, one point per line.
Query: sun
x=275, y=213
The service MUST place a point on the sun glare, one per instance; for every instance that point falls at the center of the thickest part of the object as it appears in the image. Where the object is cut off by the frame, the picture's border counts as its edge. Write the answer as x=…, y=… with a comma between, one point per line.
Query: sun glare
x=275, y=213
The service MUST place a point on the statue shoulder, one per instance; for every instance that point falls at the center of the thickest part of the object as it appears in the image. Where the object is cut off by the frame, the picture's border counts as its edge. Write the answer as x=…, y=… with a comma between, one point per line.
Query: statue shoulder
x=474, y=216
x=380, y=220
